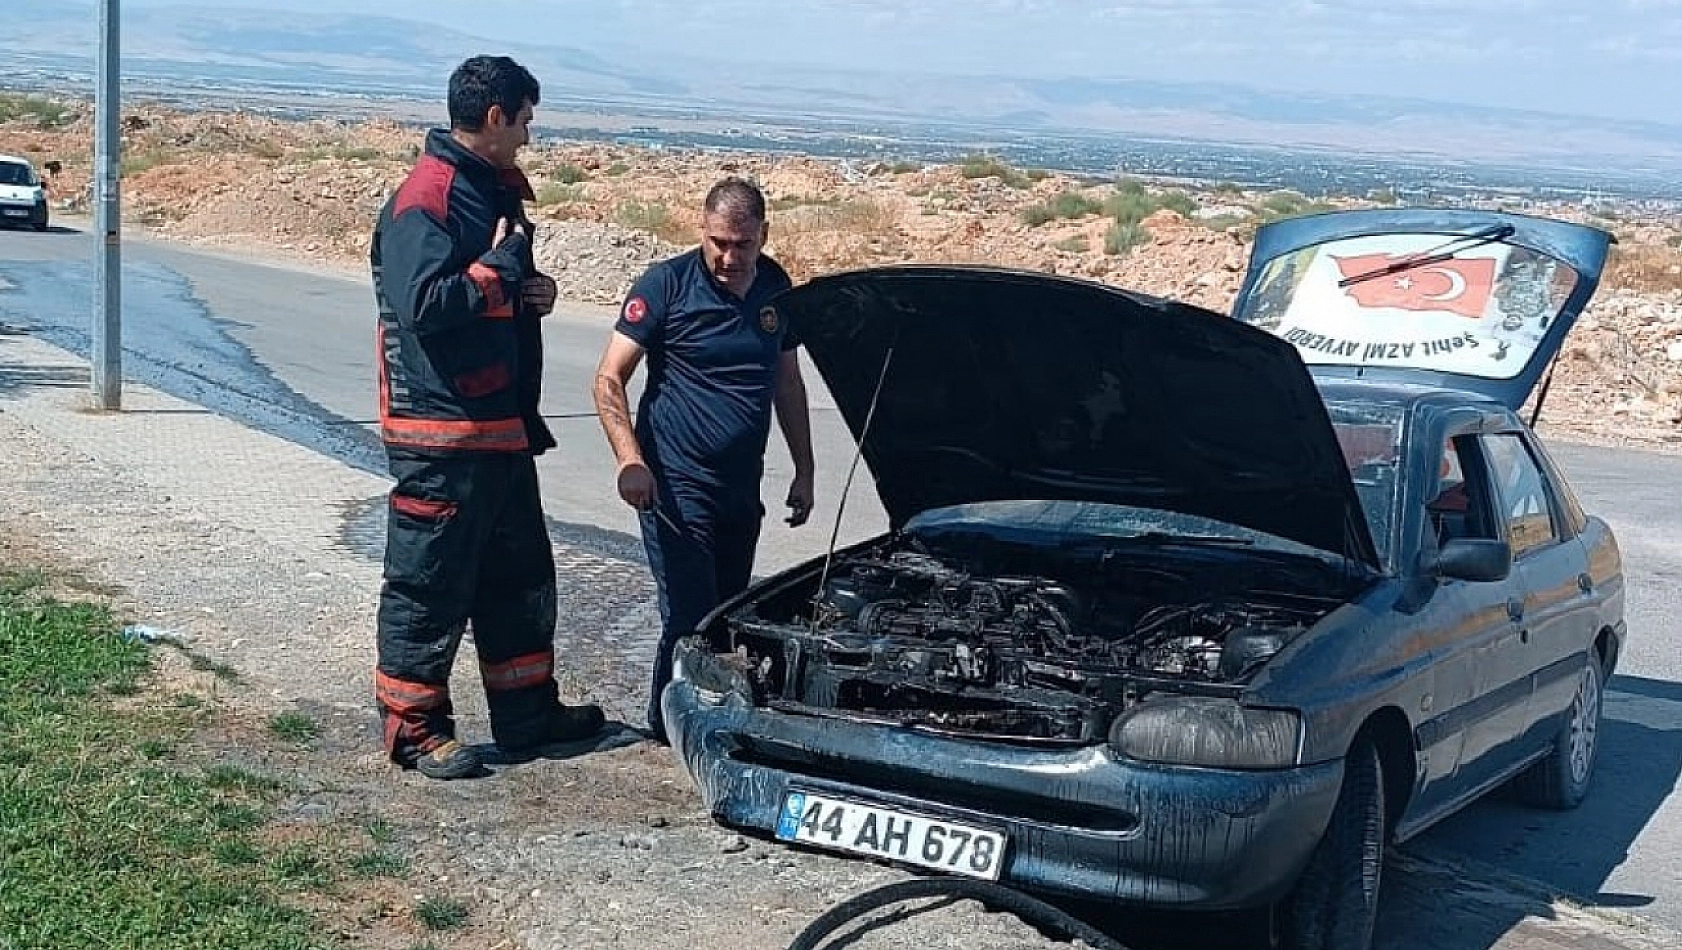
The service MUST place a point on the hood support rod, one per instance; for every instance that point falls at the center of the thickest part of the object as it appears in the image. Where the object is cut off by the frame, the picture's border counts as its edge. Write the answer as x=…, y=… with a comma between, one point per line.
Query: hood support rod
x=852, y=469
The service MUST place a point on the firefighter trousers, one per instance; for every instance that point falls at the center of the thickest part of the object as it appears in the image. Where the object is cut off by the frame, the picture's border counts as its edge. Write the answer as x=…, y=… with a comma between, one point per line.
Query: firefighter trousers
x=466, y=545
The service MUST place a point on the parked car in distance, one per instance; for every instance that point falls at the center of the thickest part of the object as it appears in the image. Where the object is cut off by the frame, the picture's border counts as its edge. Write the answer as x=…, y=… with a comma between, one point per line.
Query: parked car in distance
x=23, y=197
x=1175, y=607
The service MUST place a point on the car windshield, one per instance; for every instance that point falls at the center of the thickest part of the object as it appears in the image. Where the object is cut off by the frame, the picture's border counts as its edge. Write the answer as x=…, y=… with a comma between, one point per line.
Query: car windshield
x=1370, y=435
x=1472, y=305
x=14, y=173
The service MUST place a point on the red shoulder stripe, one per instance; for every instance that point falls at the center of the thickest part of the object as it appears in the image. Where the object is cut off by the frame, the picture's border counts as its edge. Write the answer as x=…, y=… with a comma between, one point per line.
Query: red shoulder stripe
x=426, y=188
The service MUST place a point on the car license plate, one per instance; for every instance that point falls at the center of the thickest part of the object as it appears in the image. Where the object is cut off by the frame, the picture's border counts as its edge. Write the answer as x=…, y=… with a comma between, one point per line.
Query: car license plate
x=889, y=833
x=17, y=212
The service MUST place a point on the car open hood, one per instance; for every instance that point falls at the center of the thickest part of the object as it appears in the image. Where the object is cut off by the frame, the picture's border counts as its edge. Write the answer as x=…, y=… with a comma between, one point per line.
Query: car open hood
x=1477, y=301
x=1002, y=384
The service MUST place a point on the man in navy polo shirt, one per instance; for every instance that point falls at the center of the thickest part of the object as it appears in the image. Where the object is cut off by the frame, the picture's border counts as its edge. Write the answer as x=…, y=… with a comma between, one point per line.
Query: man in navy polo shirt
x=719, y=360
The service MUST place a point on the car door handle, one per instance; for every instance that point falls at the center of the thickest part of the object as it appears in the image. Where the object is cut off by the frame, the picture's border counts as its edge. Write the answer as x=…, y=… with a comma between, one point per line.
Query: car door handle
x=1515, y=608
x=1585, y=583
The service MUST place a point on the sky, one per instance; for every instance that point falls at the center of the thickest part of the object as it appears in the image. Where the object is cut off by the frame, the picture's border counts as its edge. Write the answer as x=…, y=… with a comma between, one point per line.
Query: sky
x=1602, y=58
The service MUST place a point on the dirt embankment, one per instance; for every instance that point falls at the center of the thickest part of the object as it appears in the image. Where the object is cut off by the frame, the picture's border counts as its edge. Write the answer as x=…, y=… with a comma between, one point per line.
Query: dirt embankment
x=311, y=189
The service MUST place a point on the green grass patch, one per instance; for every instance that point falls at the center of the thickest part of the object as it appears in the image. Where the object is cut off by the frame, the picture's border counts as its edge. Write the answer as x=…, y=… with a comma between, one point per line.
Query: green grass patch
x=294, y=727
x=379, y=864
x=101, y=843
x=903, y=167
x=381, y=832
x=438, y=913
x=1076, y=245
x=44, y=113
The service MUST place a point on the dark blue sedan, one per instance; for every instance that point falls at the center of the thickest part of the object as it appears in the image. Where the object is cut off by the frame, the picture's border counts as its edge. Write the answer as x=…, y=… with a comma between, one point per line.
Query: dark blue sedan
x=1177, y=608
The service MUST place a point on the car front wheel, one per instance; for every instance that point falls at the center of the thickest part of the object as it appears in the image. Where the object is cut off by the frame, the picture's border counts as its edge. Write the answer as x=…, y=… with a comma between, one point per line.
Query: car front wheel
x=1560, y=780
x=1335, y=903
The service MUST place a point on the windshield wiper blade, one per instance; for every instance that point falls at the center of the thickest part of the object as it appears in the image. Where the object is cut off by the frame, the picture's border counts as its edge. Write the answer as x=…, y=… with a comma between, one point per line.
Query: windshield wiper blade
x=1436, y=255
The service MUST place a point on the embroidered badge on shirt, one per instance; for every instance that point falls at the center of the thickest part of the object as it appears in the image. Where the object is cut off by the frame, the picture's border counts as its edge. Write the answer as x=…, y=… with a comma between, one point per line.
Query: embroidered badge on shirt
x=635, y=309
x=768, y=319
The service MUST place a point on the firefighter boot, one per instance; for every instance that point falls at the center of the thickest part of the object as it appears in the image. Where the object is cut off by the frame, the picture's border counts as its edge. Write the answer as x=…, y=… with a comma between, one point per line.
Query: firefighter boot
x=449, y=759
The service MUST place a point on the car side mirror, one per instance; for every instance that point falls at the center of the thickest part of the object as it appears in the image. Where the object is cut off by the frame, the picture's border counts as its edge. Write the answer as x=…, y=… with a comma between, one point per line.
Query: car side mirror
x=1474, y=559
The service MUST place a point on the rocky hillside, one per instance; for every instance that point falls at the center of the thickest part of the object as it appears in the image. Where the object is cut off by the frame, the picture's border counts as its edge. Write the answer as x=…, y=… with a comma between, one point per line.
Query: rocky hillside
x=311, y=190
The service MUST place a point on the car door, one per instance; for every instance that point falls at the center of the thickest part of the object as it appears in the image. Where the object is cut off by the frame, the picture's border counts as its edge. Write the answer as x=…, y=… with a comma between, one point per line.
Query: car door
x=1555, y=625
x=1476, y=642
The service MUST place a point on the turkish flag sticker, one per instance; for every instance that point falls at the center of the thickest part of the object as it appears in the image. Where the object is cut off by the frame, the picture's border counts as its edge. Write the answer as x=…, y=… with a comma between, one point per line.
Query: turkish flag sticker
x=1461, y=286
x=635, y=309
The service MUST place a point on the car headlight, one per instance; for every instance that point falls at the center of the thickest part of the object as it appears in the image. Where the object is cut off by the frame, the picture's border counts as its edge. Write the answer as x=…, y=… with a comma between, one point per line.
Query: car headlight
x=1207, y=731
x=701, y=669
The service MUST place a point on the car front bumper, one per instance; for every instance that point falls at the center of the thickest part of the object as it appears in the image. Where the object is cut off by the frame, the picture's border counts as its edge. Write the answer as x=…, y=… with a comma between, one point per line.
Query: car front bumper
x=34, y=215
x=1080, y=822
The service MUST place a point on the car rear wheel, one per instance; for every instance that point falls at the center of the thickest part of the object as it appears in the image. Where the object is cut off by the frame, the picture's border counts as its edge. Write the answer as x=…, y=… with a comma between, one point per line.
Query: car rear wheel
x=1335, y=903
x=1560, y=780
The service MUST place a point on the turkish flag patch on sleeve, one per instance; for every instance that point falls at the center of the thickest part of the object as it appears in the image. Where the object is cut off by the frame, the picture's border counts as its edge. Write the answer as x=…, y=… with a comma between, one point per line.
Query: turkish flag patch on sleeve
x=635, y=309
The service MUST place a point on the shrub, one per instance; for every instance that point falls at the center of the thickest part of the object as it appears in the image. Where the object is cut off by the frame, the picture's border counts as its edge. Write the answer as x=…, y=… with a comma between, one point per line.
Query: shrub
x=986, y=166
x=557, y=193
x=1124, y=236
x=46, y=113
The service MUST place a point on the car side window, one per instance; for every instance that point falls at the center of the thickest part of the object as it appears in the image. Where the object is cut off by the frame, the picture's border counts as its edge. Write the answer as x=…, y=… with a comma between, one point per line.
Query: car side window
x=1459, y=506
x=1522, y=493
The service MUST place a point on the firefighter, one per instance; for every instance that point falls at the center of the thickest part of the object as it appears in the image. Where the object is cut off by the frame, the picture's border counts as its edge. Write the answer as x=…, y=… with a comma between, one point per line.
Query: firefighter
x=460, y=365
x=719, y=360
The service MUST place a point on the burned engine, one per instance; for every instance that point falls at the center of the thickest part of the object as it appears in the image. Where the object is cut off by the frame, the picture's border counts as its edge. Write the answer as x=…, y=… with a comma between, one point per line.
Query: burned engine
x=959, y=643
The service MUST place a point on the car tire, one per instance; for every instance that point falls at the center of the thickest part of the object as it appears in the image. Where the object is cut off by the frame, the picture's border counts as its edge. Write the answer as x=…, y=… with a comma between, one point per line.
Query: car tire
x=1560, y=779
x=1334, y=905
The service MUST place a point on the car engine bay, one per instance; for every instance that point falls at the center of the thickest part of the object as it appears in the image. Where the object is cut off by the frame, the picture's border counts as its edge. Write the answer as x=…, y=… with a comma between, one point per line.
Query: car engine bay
x=983, y=637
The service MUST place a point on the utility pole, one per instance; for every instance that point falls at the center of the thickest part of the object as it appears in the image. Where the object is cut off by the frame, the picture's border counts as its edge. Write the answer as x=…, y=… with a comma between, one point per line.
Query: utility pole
x=107, y=356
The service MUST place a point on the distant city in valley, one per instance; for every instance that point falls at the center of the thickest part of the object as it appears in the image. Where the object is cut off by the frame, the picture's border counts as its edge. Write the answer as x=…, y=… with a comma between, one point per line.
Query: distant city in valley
x=649, y=120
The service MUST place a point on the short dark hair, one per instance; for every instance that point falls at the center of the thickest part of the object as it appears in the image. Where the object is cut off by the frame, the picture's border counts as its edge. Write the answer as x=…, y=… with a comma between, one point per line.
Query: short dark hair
x=735, y=197
x=485, y=81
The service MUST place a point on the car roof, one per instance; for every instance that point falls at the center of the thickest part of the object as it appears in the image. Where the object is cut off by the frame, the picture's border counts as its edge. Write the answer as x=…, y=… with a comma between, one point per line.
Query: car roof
x=17, y=159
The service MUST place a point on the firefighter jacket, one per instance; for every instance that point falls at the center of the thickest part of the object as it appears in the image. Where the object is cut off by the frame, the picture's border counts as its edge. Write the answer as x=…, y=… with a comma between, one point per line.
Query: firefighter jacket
x=460, y=357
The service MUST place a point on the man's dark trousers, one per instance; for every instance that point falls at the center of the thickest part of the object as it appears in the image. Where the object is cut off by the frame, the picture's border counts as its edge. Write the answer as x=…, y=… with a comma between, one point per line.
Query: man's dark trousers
x=466, y=543
x=701, y=554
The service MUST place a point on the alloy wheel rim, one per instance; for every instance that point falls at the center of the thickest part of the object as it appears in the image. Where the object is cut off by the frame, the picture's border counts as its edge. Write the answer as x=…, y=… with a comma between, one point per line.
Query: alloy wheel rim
x=1584, y=724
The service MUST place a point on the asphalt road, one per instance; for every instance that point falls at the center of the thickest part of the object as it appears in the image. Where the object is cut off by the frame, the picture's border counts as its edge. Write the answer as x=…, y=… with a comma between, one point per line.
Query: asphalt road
x=290, y=349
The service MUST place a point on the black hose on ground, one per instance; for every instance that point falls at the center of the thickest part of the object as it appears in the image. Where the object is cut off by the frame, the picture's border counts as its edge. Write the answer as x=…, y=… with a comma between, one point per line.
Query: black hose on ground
x=1032, y=911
